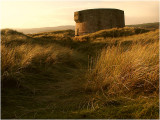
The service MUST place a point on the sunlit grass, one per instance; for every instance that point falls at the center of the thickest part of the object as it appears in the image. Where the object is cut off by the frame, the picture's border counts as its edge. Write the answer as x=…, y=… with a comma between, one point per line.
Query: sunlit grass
x=109, y=74
x=128, y=70
x=120, y=71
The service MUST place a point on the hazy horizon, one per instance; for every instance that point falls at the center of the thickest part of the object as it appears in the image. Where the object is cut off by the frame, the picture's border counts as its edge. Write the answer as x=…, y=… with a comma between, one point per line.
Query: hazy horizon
x=37, y=14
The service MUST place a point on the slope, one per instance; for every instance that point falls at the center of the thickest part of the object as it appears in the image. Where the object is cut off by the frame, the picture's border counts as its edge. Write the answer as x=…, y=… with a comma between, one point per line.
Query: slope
x=48, y=76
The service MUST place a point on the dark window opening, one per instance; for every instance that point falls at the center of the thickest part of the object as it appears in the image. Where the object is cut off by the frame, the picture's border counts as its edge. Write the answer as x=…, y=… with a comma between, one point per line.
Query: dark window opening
x=77, y=34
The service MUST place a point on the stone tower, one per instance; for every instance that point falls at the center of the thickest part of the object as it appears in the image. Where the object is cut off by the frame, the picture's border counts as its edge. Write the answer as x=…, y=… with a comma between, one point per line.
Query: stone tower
x=92, y=20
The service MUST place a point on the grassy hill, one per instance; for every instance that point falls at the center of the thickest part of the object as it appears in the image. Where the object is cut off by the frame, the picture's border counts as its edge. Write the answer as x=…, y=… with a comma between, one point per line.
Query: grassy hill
x=111, y=74
x=152, y=26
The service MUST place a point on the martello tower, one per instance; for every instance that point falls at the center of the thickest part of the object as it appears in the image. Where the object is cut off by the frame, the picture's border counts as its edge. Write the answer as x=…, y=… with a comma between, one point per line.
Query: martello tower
x=92, y=20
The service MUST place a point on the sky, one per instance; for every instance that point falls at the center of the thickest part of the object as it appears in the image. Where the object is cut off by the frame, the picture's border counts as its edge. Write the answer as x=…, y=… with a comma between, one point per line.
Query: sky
x=50, y=13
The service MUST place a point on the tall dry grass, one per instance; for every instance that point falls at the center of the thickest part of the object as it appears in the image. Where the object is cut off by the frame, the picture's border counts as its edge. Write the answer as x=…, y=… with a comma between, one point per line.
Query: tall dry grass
x=25, y=54
x=15, y=60
x=133, y=71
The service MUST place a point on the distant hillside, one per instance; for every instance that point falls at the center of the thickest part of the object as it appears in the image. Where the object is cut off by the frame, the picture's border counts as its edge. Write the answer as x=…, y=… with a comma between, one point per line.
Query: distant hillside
x=9, y=36
x=146, y=25
x=71, y=27
x=45, y=29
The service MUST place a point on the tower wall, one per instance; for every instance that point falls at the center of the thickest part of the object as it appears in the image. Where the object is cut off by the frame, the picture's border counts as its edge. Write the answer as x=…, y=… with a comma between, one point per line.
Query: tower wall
x=92, y=20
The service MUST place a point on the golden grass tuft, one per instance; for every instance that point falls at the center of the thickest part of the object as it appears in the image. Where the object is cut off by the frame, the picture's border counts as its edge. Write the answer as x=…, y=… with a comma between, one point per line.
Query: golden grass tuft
x=133, y=71
x=17, y=59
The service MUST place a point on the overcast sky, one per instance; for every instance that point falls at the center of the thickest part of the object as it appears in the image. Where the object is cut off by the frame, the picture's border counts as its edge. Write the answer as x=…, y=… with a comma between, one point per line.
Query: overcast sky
x=35, y=14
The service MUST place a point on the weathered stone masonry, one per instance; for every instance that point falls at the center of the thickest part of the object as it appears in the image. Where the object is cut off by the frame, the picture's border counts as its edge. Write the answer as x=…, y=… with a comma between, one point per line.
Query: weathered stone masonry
x=92, y=20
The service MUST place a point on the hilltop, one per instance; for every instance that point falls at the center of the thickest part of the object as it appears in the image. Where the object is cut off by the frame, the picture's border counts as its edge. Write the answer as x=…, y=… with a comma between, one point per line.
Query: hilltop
x=72, y=27
x=146, y=25
x=44, y=29
x=109, y=74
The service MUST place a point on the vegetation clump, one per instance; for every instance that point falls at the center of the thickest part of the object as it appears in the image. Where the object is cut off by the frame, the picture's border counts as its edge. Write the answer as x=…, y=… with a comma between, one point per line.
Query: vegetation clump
x=120, y=71
x=114, y=32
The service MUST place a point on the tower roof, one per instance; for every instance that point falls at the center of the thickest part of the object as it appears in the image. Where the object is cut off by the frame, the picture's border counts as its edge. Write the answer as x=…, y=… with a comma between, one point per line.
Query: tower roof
x=99, y=9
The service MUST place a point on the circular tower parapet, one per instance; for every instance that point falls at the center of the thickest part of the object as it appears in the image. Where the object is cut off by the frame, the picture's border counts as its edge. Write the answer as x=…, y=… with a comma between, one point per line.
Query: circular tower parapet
x=92, y=20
